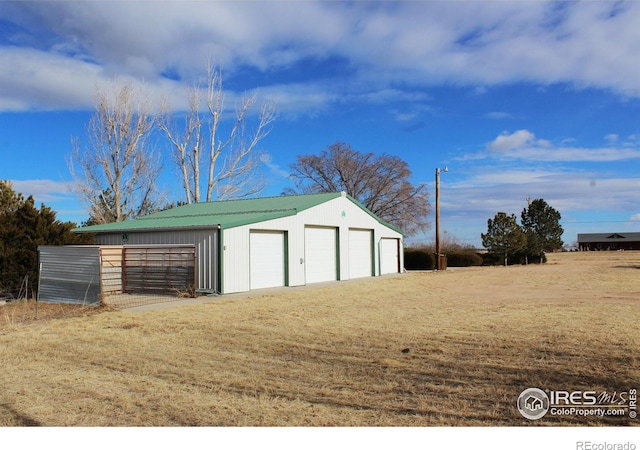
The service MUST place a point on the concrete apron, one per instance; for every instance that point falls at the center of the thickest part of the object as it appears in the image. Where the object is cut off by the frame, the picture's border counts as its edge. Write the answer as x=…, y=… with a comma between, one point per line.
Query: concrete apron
x=254, y=293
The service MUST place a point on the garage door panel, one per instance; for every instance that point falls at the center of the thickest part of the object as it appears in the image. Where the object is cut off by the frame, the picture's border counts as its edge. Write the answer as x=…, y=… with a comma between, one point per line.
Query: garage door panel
x=320, y=254
x=266, y=253
x=360, y=254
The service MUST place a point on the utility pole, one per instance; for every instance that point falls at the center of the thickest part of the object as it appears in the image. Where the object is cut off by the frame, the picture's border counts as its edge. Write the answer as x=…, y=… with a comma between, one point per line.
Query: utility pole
x=438, y=216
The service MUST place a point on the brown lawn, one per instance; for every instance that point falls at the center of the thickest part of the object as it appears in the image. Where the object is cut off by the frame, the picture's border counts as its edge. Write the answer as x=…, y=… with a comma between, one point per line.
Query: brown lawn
x=473, y=340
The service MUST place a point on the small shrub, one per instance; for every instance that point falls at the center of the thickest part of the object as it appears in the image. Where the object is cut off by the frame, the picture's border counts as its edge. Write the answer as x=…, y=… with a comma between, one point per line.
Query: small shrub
x=463, y=259
x=492, y=259
x=188, y=292
x=419, y=260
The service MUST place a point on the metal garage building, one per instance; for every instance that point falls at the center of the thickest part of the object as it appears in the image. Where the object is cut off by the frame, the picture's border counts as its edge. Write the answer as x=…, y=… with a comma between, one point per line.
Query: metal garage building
x=248, y=244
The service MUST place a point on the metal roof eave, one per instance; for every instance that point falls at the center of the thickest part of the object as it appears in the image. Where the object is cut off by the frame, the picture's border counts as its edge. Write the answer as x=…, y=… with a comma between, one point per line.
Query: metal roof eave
x=215, y=222
x=382, y=222
x=143, y=229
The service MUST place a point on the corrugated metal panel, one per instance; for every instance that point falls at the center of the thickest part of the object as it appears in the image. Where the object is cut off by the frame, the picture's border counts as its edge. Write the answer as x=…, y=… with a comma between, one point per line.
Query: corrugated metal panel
x=70, y=274
x=205, y=241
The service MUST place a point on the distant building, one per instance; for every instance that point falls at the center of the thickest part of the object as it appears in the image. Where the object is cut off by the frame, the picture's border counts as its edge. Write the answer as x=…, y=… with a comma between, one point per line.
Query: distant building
x=609, y=241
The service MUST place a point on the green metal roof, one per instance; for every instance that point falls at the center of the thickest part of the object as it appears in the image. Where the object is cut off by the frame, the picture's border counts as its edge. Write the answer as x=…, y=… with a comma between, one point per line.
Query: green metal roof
x=225, y=214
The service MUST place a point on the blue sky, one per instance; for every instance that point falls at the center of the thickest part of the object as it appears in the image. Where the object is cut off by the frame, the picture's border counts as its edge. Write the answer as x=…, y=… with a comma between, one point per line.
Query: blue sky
x=518, y=99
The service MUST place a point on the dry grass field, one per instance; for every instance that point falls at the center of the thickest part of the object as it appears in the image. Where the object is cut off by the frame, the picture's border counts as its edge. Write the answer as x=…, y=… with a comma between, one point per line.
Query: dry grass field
x=421, y=349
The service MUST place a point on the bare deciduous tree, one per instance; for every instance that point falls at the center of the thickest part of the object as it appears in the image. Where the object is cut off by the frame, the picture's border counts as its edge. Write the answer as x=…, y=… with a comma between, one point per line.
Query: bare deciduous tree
x=232, y=163
x=187, y=143
x=115, y=173
x=381, y=183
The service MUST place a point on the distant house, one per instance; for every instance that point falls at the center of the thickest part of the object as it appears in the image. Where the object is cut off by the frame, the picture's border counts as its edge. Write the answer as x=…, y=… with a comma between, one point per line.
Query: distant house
x=609, y=241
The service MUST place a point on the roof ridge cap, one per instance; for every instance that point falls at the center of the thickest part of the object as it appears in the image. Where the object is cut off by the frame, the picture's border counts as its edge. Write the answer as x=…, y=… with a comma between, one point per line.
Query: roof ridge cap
x=264, y=198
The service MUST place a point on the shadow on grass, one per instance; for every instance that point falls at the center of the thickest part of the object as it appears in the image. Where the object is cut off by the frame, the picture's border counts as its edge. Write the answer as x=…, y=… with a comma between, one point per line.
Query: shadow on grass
x=21, y=420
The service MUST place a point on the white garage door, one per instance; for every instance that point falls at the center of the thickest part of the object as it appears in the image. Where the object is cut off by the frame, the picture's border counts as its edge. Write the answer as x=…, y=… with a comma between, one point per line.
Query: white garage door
x=320, y=254
x=360, y=259
x=389, y=256
x=266, y=253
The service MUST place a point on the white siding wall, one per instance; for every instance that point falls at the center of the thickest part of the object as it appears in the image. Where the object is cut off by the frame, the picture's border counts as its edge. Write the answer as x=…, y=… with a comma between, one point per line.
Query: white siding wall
x=235, y=259
x=340, y=213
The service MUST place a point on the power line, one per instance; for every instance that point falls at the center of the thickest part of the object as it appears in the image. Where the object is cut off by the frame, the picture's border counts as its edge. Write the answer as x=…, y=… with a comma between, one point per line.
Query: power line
x=601, y=221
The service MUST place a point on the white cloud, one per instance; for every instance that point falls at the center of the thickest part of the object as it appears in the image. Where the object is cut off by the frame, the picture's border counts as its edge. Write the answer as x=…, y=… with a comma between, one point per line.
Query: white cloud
x=497, y=190
x=58, y=195
x=523, y=145
x=466, y=205
x=275, y=169
x=498, y=115
x=64, y=47
x=506, y=142
x=612, y=138
x=44, y=79
x=491, y=175
x=44, y=190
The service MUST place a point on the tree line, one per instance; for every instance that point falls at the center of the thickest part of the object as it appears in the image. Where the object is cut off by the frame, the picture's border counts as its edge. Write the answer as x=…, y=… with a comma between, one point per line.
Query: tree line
x=539, y=232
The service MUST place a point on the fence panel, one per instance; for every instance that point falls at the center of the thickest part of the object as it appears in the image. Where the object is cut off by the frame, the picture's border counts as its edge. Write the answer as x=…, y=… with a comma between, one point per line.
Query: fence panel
x=70, y=274
x=162, y=270
x=111, y=257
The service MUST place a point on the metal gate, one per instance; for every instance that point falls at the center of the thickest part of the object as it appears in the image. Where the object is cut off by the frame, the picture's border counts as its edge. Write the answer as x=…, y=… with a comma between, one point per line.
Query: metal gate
x=158, y=269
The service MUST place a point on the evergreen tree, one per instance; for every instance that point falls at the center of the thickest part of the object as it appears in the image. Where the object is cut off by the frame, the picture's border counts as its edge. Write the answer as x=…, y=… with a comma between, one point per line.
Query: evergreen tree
x=23, y=228
x=541, y=224
x=504, y=236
